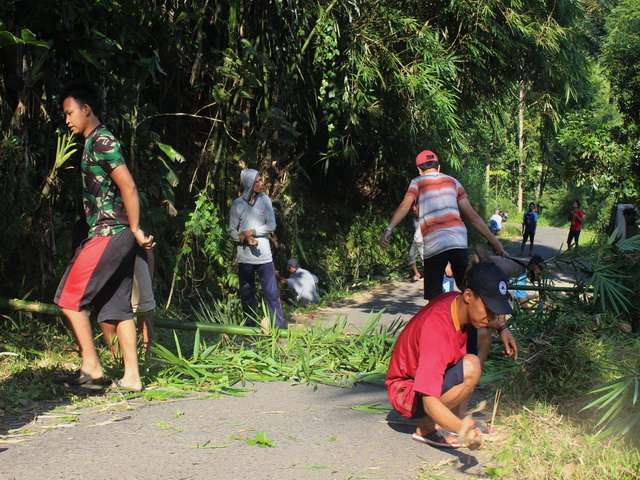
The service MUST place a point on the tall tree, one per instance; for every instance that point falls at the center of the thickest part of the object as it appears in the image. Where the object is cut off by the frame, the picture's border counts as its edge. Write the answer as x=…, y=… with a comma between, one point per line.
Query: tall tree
x=621, y=57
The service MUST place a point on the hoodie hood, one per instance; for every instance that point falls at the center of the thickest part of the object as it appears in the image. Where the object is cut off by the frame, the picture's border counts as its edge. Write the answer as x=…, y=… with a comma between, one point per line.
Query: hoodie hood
x=248, y=178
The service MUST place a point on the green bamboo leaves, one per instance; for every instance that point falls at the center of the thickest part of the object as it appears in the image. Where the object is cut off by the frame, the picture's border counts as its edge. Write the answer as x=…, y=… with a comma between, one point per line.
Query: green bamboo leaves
x=619, y=401
x=65, y=148
x=372, y=408
x=27, y=37
x=608, y=269
x=321, y=354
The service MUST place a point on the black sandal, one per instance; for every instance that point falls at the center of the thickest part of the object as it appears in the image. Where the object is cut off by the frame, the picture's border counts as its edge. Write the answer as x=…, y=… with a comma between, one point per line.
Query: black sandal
x=80, y=379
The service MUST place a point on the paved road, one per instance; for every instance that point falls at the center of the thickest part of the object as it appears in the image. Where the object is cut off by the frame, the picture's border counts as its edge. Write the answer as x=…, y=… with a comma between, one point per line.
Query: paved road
x=400, y=301
x=316, y=433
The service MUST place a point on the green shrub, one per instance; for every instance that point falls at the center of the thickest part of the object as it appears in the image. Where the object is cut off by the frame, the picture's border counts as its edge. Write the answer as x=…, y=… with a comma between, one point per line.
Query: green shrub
x=355, y=254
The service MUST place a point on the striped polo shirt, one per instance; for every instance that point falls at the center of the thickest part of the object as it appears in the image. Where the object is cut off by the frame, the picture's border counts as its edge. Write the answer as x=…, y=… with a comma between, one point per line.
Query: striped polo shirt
x=437, y=196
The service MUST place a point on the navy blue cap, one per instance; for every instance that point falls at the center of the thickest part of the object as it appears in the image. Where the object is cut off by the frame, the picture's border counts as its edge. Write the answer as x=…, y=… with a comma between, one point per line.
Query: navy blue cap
x=490, y=282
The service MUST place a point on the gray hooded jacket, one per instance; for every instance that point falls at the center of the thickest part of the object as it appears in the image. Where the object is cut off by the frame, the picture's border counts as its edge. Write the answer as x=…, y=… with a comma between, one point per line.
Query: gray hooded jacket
x=257, y=217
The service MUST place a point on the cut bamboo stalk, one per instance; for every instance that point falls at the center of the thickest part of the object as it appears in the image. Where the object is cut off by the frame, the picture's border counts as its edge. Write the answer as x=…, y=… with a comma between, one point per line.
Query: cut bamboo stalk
x=48, y=309
x=495, y=407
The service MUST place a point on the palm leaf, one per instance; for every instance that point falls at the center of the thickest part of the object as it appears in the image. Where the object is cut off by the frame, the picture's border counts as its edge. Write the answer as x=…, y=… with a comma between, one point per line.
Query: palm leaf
x=620, y=400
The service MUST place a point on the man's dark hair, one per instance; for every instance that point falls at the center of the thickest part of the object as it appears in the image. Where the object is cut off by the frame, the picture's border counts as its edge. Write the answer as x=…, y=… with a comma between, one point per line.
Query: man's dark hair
x=532, y=204
x=428, y=165
x=536, y=261
x=578, y=202
x=83, y=92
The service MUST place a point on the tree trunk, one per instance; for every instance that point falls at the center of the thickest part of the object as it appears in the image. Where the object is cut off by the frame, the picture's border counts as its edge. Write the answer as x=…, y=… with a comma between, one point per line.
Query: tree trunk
x=520, y=144
x=197, y=63
x=543, y=181
x=487, y=176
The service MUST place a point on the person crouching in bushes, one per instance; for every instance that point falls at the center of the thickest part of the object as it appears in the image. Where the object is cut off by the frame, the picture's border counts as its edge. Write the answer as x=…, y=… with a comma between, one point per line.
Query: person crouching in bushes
x=303, y=284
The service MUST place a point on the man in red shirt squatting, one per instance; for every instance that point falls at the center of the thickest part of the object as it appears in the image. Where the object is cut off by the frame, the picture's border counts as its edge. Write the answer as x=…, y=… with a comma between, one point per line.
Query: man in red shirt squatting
x=432, y=374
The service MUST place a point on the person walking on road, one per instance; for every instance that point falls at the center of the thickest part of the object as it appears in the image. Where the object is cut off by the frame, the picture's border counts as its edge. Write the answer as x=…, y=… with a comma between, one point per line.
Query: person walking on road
x=251, y=220
x=575, y=217
x=416, y=246
x=529, y=224
x=434, y=366
x=440, y=200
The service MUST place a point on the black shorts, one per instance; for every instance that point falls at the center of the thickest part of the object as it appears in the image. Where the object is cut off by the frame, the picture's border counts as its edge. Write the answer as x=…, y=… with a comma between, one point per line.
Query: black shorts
x=434, y=270
x=573, y=235
x=529, y=235
x=453, y=376
x=100, y=275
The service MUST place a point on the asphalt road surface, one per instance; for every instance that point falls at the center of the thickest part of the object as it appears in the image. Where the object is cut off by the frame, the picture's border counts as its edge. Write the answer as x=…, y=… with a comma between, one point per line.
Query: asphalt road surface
x=314, y=433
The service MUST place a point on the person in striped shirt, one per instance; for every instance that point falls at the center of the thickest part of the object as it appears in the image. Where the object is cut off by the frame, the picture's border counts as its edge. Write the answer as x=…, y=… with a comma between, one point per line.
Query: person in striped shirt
x=441, y=202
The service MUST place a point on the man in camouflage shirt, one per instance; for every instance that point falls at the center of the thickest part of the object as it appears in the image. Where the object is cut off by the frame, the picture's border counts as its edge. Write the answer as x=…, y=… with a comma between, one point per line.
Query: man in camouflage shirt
x=100, y=273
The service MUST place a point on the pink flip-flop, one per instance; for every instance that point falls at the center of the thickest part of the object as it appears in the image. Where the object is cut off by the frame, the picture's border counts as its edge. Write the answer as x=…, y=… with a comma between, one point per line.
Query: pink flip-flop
x=439, y=438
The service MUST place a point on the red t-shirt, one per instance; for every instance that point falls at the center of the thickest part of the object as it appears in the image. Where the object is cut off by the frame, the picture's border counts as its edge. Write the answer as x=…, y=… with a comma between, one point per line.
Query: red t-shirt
x=430, y=343
x=576, y=225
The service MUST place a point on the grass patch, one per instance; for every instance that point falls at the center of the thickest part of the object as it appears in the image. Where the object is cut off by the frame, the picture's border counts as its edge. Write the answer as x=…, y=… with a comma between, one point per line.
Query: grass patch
x=37, y=354
x=541, y=443
x=510, y=233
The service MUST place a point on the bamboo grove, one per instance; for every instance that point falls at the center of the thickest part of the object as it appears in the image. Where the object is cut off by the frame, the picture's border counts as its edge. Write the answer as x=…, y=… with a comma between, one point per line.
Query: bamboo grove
x=330, y=99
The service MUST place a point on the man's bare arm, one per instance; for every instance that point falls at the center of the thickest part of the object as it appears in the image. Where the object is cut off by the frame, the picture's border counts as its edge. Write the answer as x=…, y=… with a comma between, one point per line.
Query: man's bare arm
x=123, y=179
x=399, y=214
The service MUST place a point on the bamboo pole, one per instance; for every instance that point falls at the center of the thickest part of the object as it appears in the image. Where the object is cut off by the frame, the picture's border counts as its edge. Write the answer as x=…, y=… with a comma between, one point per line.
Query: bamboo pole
x=545, y=288
x=212, y=327
x=48, y=309
x=23, y=305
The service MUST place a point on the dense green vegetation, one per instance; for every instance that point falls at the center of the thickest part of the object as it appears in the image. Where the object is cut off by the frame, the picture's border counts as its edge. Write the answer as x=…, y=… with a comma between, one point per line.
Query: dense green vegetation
x=522, y=101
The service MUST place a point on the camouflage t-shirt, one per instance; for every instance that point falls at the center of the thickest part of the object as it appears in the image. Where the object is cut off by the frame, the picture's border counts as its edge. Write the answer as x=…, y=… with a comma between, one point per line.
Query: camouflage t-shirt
x=103, y=205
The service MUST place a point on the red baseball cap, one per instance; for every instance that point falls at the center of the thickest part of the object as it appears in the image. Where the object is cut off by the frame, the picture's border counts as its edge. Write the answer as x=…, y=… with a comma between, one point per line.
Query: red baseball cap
x=426, y=156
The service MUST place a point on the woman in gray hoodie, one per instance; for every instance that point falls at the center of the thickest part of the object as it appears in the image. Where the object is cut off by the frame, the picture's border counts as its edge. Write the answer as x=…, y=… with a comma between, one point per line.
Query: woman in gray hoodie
x=251, y=220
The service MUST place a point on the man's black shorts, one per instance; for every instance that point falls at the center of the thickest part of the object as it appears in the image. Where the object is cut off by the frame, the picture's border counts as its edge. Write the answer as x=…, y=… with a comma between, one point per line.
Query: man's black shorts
x=453, y=376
